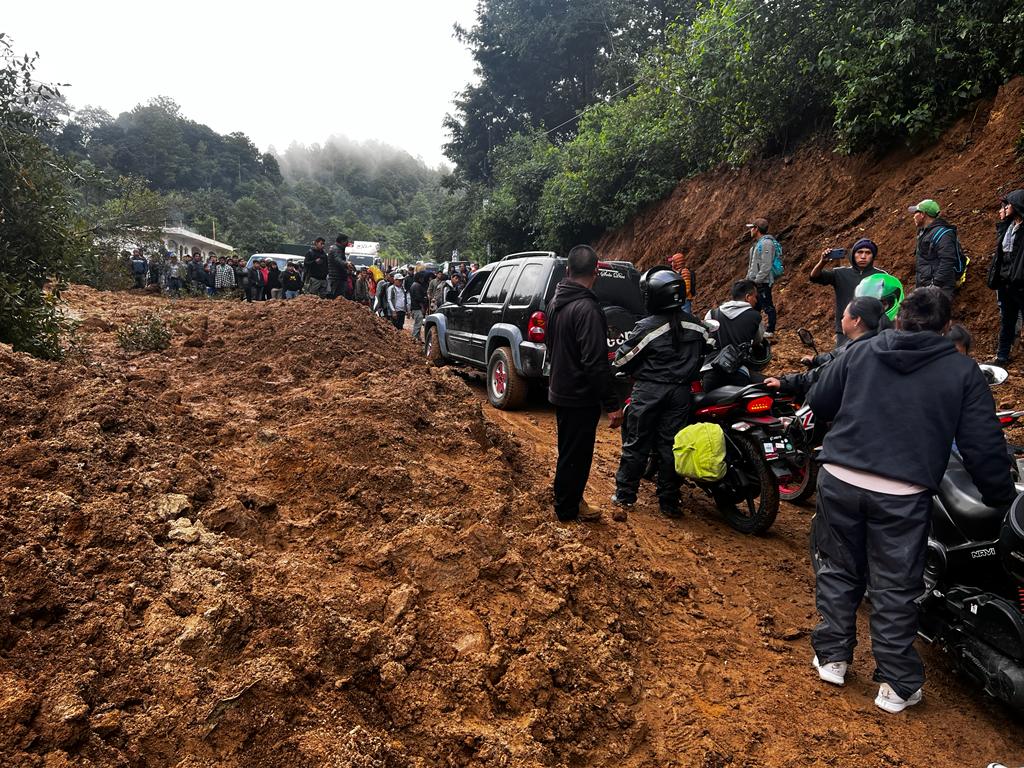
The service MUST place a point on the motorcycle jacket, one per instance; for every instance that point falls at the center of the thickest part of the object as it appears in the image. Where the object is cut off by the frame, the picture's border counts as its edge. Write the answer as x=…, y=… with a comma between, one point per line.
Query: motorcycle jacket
x=654, y=353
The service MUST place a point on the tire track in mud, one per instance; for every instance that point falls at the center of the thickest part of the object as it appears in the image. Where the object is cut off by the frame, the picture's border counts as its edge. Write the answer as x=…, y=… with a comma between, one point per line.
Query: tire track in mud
x=727, y=679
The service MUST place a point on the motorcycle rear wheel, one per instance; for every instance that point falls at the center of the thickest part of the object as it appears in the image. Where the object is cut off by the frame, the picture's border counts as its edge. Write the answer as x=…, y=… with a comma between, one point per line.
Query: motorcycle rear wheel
x=800, y=485
x=756, y=514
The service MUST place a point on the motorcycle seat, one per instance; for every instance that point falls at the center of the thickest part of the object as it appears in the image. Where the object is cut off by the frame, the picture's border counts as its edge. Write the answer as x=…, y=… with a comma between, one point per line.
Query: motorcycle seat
x=726, y=394
x=962, y=499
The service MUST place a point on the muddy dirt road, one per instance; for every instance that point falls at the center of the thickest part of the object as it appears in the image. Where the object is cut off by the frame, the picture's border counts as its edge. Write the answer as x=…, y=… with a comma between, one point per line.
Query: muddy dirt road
x=728, y=676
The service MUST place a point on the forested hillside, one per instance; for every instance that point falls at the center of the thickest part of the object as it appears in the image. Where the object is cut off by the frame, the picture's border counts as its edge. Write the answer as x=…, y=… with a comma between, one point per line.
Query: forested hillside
x=627, y=98
x=254, y=200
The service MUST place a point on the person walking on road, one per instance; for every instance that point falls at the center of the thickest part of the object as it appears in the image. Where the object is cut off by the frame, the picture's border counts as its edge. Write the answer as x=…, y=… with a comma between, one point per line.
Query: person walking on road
x=759, y=269
x=846, y=279
x=398, y=301
x=896, y=403
x=935, y=257
x=580, y=384
x=1006, y=275
x=662, y=355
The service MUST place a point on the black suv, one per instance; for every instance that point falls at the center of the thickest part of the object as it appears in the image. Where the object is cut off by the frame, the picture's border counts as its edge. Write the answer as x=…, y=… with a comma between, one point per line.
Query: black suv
x=498, y=323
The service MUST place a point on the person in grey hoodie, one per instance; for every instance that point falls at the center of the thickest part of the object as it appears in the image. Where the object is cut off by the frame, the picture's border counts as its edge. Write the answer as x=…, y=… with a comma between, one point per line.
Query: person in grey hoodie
x=734, y=323
x=759, y=269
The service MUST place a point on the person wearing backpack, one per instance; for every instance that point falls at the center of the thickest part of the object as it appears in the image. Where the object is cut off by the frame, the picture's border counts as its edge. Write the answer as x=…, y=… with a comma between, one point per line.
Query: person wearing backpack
x=764, y=267
x=678, y=263
x=939, y=257
x=1006, y=275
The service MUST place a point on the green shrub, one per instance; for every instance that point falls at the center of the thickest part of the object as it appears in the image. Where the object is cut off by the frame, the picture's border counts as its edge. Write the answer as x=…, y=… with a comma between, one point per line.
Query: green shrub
x=148, y=333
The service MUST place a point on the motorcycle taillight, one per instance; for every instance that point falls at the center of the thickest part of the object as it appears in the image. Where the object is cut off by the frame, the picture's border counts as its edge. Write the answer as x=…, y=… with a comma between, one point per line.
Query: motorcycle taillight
x=696, y=387
x=760, y=404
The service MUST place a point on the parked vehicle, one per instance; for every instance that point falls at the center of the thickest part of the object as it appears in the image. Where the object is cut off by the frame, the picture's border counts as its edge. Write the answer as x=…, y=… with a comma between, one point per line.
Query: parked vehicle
x=363, y=253
x=282, y=259
x=973, y=605
x=498, y=324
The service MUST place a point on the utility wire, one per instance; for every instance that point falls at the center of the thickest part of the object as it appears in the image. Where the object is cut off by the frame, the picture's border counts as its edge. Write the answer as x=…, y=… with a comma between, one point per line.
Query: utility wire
x=637, y=82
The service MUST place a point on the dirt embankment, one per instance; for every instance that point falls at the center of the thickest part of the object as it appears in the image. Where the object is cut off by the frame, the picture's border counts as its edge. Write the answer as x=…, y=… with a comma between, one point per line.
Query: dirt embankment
x=287, y=541
x=815, y=198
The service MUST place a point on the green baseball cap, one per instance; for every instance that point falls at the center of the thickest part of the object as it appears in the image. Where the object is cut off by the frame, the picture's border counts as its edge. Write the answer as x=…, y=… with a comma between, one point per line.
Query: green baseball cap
x=928, y=207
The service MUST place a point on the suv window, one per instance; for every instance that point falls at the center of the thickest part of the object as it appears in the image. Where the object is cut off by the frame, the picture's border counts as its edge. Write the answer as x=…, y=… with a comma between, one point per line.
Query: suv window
x=495, y=293
x=529, y=285
x=620, y=287
x=475, y=284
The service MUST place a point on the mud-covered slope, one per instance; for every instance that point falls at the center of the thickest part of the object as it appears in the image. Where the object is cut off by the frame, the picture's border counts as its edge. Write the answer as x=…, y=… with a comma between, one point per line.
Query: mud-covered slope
x=816, y=198
x=287, y=541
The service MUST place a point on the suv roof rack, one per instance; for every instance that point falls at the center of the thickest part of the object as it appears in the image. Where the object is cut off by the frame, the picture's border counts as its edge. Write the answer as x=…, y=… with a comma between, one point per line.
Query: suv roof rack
x=523, y=254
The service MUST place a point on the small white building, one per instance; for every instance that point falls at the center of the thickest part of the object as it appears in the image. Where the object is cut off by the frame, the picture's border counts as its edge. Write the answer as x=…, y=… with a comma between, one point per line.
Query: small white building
x=186, y=243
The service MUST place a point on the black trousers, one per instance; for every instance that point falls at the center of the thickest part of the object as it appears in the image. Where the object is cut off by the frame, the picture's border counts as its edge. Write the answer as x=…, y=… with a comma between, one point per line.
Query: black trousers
x=655, y=413
x=577, y=431
x=766, y=304
x=399, y=320
x=1011, y=304
x=855, y=533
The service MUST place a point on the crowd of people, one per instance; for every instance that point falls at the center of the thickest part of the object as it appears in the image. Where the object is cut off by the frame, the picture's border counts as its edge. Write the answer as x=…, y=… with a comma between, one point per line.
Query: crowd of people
x=898, y=385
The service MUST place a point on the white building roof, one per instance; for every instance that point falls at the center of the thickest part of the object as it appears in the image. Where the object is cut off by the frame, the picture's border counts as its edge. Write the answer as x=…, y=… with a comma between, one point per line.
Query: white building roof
x=187, y=233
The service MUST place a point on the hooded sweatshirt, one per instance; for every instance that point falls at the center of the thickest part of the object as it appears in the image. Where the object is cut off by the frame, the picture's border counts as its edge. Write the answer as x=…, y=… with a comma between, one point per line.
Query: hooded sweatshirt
x=896, y=404
x=578, y=346
x=738, y=322
x=845, y=280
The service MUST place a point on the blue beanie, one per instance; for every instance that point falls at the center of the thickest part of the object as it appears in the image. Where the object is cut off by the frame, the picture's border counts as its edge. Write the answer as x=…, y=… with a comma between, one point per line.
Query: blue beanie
x=865, y=243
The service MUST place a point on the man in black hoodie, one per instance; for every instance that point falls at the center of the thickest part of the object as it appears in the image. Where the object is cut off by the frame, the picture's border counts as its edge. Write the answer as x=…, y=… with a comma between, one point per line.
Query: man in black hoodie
x=846, y=279
x=896, y=403
x=315, y=268
x=580, y=383
x=1006, y=274
x=936, y=256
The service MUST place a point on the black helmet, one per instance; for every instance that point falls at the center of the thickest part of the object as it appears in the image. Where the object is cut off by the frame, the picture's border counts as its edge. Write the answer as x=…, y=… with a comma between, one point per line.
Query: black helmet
x=760, y=355
x=663, y=289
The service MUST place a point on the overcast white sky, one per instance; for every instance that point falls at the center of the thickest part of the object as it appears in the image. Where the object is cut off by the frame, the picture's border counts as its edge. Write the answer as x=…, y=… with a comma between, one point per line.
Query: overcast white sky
x=282, y=72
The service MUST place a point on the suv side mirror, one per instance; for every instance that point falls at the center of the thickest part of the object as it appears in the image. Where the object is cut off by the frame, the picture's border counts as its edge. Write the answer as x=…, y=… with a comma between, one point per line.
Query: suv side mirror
x=471, y=300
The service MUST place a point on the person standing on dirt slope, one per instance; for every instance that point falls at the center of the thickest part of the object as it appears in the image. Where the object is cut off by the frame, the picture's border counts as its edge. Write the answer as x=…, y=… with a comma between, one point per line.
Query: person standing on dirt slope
x=223, y=276
x=139, y=268
x=1006, y=274
x=337, y=267
x=580, y=383
x=291, y=282
x=678, y=263
x=759, y=269
x=316, y=269
x=738, y=322
x=663, y=355
x=361, y=293
x=846, y=279
x=935, y=257
x=896, y=403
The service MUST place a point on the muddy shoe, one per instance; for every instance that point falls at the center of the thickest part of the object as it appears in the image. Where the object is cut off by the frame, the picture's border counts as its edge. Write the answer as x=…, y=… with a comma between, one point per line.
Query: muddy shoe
x=675, y=512
x=588, y=514
x=891, y=701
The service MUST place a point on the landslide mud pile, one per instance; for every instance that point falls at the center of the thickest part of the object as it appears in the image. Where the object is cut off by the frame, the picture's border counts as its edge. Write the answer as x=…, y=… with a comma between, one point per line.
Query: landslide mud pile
x=287, y=541
x=815, y=198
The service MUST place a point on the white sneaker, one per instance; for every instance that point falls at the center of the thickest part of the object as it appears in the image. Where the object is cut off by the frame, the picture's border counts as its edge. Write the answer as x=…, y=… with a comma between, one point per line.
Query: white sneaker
x=834, y=672
x=891, y=701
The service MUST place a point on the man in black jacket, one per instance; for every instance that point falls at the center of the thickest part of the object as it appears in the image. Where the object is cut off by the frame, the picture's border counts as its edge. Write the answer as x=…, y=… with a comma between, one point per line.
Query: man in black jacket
x=580, y=383
x=896, y=403
x=337, y=267
x=936, y=256
x=315, y=269
x=1006, y=274
x=846, y=279
x=663, y=355
x=735, y=323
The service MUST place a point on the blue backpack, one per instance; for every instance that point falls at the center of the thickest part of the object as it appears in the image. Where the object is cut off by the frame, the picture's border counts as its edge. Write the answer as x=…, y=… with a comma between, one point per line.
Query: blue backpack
x=778, y=268
x=962, y=259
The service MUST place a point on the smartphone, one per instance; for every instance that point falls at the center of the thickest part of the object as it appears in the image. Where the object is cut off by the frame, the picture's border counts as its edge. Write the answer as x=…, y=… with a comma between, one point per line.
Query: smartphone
x=836, y=254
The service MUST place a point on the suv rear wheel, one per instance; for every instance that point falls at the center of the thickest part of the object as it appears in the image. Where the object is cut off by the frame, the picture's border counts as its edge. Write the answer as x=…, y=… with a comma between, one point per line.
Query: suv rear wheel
x=506, y=389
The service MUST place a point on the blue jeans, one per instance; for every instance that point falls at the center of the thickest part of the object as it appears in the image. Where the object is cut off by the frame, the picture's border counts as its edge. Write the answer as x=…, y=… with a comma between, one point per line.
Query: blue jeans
x=766, y=305
x=290, y=294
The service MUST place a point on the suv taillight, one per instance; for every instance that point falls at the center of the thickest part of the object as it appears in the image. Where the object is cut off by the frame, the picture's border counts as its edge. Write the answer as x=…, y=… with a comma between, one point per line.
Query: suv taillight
x=535, y=330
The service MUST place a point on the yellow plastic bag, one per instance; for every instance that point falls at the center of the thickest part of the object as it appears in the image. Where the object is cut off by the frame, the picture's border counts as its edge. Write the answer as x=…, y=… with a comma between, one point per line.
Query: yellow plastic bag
x=699, y=451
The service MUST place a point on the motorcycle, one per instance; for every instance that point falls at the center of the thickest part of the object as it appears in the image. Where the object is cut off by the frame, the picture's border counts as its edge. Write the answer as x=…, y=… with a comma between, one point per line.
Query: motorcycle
x=973, y=604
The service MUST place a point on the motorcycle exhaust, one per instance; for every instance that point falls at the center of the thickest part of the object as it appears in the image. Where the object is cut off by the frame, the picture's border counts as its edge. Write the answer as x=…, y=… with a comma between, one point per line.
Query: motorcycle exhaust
x=999, y=675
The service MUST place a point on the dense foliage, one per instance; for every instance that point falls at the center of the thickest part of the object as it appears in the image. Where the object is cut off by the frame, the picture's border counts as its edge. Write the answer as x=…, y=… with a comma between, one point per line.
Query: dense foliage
x=40, y=236
x=727, y=81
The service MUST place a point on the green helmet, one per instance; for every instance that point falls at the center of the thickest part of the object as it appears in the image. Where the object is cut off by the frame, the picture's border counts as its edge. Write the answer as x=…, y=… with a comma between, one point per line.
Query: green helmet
x=886, y=288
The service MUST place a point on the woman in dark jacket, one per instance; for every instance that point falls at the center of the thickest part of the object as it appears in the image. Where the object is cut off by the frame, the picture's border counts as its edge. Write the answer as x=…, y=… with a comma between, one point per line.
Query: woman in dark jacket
x=862, y=319
x=1006, y=275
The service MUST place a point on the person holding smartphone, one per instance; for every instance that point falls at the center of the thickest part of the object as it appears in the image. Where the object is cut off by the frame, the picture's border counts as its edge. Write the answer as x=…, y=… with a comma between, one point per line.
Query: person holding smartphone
x=844, y=280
